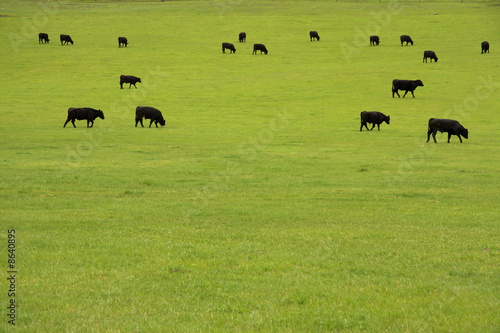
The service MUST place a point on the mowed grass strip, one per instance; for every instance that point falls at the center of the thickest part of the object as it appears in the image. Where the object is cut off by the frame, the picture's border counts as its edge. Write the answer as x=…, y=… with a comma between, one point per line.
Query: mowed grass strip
x=260, y=206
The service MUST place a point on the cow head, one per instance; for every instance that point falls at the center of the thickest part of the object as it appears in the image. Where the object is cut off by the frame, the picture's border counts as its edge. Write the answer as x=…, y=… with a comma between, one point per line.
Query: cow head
x=411, y=42
x=387, y=119
x=100, y=114
x=464, y=132
x=419, y=83
x=139, y=80
x=162, y=122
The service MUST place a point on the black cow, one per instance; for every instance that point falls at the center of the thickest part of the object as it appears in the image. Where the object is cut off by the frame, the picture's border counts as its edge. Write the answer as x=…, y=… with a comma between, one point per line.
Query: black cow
x=485, y=47
x=83, y=113
x=373, y=117
x=452, y=127
x=374, y=40
x=65, y=39
x=313, y=35
x=259, y=47
x=408, y=85
x=132, y=80
x=430, y=54
x=43, y=38
x=228, y=46
x=149, y=113
x=242, y=37
x=407, y=39
x=122, y=41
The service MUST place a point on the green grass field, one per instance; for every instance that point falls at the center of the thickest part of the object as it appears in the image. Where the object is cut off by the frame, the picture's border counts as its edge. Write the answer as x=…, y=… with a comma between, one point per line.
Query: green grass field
x=260, y=206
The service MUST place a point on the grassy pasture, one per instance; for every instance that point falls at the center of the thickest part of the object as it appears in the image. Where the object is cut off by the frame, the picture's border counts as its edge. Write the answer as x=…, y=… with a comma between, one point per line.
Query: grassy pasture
x=260, y=206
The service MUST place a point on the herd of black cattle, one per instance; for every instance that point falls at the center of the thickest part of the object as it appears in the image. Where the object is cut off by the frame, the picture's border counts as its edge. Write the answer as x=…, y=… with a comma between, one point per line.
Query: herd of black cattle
x=452, y=127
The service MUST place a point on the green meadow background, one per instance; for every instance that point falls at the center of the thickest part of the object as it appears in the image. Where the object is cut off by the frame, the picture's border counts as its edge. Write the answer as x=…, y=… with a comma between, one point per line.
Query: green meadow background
x=260, y=206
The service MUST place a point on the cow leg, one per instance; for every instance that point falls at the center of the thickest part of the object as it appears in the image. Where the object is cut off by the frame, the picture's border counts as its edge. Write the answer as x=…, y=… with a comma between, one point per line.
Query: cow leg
x=412, y=94
x=73, y=122
x=449, y=137
x=397, y=93
x=378, y=126
x=405, y=93
x=361, y=128
x=371, y=129
x=151, y=123
x=434, y=135
x=428, y=135
x=136, y=121
x=67, y=121
x=459, y=138
x=121, y=85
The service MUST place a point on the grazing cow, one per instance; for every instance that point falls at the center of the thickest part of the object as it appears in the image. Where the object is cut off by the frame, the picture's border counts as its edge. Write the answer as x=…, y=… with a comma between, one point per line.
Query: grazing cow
x=373, y=117
x=452, y=127
x=132, y=80
x=408, y=85
x=83, y=113
x=65, y=39
x=430, y=54
x=242, y=37
x=259, y=47
x=485, y=47
x=228, y=46
x=43, y=38
x=313, y=35
x=407, y=39
x=374, y=40
x=149, y=113
x=122, y=41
